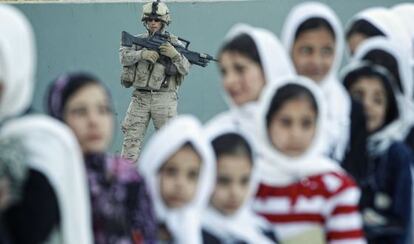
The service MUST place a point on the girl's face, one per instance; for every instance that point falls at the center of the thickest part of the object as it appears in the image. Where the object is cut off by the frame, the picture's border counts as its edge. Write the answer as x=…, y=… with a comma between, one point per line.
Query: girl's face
x=243, y=78
x=88, y=112
x=313, y=53
x=355, y=40
x=371, y=92
x=293, y=126
x=232, y=186
x=179, y=178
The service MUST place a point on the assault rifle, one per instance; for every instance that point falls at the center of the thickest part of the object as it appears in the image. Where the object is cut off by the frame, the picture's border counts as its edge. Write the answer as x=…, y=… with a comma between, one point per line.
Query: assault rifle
x=156, y=40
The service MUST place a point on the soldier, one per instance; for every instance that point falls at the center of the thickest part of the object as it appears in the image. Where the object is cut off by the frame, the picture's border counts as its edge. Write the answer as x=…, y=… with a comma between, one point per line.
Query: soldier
x=155, y=77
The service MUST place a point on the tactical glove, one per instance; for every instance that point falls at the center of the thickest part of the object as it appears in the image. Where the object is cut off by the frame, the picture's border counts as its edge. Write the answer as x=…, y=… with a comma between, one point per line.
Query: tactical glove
x=168, y=50
x=126, y=84
x=149, y=55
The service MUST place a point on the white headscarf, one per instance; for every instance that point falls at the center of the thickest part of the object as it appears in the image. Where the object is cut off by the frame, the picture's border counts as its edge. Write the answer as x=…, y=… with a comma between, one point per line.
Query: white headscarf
x=388, y=23
x=301, y=13
x=405, y=11
x=279, y=169
x=244, y=224
x=52, y=149
x=17, y=62
x=184, y=223
x=275, y=64
x=275, y=61
x=398, y=129
x=394, y=49
x=339, y=104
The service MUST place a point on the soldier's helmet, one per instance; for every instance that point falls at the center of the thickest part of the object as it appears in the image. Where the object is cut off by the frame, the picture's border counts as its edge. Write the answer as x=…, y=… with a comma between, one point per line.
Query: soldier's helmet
x=156, y=10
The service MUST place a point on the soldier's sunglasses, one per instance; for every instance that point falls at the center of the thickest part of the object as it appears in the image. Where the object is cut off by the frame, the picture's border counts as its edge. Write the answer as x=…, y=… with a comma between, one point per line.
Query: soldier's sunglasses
x=153, y=19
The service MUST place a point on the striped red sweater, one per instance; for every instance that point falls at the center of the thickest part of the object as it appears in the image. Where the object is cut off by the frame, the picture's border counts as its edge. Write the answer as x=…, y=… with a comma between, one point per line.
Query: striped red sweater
x=328, y=201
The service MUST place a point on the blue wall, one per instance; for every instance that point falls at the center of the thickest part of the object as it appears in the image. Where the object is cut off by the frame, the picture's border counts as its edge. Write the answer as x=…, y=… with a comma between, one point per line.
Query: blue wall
x=86, y=37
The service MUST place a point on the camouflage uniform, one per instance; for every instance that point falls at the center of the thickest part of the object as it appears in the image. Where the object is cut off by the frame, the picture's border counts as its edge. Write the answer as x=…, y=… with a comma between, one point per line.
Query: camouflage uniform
x=155, y=94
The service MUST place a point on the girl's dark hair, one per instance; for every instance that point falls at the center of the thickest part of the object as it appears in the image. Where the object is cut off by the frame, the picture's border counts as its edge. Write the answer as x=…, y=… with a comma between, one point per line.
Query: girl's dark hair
x=186, y=145
x=364, y=27
x=189, y=145
x=64, y=87
x=370, y=70
x=232, y=144
x=286, y=93
x=385, y=59
x=244, y=45
x=312, y=24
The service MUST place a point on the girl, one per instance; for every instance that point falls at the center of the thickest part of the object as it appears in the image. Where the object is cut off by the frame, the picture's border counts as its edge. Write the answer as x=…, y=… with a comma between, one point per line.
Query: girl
x=178, y=165
x=229, y=218
x=386, y=199
x=54, y=203
x=121, y=207
x=386, y=53
x=313, y=36
x=377, y=21
x=305, y=195
x=250, y=58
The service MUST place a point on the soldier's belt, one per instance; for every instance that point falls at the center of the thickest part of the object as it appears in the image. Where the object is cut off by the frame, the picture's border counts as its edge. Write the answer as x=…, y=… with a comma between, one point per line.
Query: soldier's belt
x=152, y=91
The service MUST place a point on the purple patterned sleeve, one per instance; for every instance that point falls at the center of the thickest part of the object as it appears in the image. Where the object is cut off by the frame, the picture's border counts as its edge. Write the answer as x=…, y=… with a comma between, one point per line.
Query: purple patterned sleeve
x=141, y=210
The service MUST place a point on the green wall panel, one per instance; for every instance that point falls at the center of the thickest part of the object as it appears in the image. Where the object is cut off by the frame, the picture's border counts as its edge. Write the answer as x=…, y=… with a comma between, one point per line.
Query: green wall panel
x=86, y=37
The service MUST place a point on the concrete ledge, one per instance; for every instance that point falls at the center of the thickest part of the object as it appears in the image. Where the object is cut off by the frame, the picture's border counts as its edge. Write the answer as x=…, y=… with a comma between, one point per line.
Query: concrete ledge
x=113, y=1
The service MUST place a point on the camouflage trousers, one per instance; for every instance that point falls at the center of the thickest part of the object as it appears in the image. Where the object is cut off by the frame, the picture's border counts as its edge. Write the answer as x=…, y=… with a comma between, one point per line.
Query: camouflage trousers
x=160, y=106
